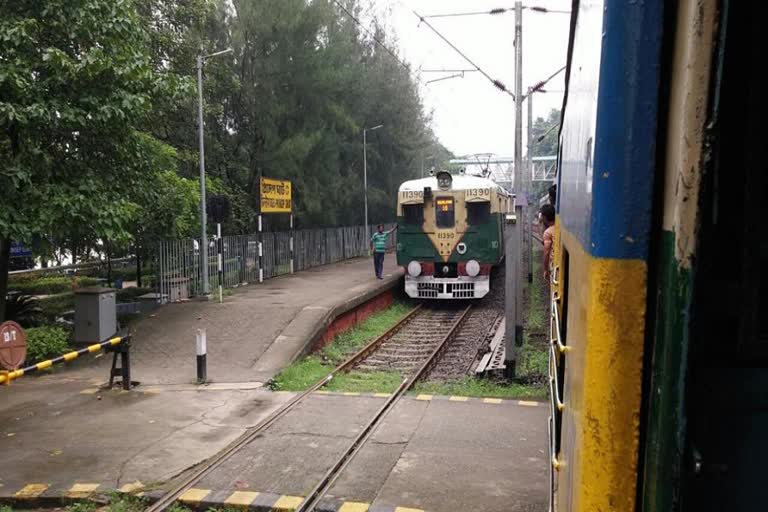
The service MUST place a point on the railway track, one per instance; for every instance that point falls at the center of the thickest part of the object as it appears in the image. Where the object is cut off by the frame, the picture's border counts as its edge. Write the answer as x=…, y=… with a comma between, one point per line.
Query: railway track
x=412, y=346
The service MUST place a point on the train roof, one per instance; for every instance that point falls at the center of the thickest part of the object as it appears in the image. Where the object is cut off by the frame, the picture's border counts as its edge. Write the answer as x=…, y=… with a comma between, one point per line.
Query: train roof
x=460, y=182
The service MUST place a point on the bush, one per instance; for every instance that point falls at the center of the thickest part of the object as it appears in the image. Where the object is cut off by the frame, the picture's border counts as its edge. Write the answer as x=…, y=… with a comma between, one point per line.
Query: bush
x=55, y=305
x=131, y=294
x=50, y=285
x=24, y=309
x=45, y=343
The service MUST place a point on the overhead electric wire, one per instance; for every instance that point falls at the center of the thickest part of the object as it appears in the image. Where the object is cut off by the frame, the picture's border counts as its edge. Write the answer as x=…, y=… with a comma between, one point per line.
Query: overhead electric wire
x=457, y=75
x=541, y=137
x=538, y=85
x=368, y=31
x=497, y=83
x=447, y=70
x=472, y=13
x=498, y=10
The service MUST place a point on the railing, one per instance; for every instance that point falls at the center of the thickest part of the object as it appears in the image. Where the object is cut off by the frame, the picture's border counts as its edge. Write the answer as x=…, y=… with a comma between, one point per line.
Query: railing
x=557, y=351
x=180, y=266
x=76, y=266
x=7, y=377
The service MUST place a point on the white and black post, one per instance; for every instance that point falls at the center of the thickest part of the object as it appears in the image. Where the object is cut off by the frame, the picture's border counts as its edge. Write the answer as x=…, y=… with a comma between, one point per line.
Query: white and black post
x=261, y=254
x=220, y=250
x=202, y=362
x=291, y=243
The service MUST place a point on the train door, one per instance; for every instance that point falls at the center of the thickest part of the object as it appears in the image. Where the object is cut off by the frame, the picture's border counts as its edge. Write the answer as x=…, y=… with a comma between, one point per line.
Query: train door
x=707, y=385
x=727, y=443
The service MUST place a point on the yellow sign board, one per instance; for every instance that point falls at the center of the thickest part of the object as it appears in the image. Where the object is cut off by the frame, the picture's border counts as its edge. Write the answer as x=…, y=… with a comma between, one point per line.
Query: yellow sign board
x=275, y=195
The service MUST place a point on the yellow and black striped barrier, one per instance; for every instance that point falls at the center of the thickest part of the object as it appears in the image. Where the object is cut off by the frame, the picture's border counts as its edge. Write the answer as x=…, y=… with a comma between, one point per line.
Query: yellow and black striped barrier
x=6, y=378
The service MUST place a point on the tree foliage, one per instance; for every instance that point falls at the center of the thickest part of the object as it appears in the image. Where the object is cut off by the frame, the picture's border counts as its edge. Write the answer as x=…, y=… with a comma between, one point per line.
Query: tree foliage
x=75, y=83
x=548, y=146
x=98, y=118
x=291, y=102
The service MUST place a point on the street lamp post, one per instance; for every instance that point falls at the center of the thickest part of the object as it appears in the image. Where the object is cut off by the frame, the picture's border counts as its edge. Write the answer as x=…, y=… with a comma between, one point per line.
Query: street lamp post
x=365, y=175
x=203, y=229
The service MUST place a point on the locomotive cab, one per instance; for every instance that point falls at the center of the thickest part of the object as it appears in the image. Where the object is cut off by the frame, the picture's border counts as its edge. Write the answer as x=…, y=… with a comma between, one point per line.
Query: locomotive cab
x=450, y=235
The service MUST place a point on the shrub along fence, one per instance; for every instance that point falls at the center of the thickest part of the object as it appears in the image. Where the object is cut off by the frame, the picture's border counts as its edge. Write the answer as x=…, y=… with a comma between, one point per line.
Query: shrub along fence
x=179, y=263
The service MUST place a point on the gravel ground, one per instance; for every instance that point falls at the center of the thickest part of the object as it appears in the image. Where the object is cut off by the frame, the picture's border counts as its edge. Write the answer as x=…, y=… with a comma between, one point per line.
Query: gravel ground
x=474, y=336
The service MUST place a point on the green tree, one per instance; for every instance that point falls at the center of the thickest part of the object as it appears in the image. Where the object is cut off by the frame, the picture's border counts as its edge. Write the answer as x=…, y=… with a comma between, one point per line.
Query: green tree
x=76, y=81
x=548, y=146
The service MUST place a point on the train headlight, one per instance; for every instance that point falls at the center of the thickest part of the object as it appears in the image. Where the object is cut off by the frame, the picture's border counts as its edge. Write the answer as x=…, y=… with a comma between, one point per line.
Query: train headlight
x=461, y=248
x=473, y=268
x=414, y=269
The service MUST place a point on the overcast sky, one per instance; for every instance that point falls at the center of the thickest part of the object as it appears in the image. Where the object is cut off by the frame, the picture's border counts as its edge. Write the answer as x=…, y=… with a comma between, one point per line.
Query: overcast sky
x=470, y=114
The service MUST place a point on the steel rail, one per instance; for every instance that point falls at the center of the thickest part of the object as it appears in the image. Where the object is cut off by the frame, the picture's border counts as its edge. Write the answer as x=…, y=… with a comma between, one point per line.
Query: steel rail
x=172, y=495
x=314, y=497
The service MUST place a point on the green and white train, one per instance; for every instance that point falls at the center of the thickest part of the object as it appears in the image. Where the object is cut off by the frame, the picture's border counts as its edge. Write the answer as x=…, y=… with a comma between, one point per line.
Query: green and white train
x=450, y=234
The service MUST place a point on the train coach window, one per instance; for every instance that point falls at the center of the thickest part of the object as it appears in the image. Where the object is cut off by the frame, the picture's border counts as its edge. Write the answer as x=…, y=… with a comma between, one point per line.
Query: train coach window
x=444, y=212
x=478, y=213
x=413, y=214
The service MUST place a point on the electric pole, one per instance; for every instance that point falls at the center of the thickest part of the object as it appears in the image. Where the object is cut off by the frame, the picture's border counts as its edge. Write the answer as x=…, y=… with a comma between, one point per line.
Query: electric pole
x=521, y=176
x=518, y=96
x=529, y=186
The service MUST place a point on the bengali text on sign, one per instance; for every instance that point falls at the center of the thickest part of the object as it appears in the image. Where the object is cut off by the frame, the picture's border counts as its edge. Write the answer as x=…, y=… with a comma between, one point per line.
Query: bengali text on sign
x=275, y=195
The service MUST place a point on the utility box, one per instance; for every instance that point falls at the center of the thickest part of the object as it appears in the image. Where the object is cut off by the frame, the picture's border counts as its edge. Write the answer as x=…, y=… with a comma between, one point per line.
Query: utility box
x=95, y=314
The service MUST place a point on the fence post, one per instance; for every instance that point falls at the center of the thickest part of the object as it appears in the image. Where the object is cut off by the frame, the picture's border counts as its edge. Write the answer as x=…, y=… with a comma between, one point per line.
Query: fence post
x=220, y=250
x=261, y=255
x=202, y=356
x=290, y=244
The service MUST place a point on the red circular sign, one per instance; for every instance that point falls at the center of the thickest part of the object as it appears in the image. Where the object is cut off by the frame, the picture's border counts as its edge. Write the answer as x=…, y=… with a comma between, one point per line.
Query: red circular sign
x=13, y=345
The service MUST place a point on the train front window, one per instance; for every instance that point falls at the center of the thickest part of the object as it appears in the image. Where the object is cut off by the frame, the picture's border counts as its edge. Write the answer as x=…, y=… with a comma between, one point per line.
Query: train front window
x=413, y=214
x=444, y=212
x=478, y=213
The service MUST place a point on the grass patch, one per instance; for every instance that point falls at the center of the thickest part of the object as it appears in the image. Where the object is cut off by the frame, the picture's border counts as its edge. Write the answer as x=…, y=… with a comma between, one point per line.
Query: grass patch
x=481, y=388
x=366, y=382
x=537, y=309
x=121, y=502
x=5, y=508
x=302, y=374
x=352, y=340
x=533, y=357
x=81, y=506
x=532, y=363
x=178, y=508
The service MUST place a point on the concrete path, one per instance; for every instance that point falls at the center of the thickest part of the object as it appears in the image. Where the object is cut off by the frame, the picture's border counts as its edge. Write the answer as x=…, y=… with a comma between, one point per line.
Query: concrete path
x=60, y=432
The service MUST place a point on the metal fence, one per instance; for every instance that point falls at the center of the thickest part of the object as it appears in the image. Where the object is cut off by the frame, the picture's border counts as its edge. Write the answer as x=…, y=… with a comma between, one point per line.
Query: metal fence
x=179, y=262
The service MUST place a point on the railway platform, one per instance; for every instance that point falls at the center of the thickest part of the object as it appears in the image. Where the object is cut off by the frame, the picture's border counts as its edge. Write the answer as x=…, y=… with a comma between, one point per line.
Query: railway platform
x=62, y=436
x=62, y=426
x=257, y=330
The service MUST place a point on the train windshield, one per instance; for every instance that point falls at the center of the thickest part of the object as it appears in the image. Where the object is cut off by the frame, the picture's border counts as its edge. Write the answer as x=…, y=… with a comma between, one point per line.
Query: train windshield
x=444, y=212
x=413, y=214
x=478, y=213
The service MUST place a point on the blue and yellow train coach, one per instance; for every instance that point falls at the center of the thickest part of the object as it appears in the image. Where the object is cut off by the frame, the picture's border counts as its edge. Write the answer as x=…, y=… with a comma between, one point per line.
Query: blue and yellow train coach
x=660, y=289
